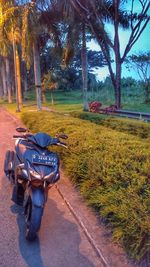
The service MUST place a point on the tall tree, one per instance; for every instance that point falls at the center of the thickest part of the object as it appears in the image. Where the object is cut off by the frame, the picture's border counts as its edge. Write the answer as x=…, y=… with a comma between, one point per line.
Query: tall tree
x=140, y=63
x=1, y=86
x=76, y=37
x=5, y=51
x=10, y=37
x=15, y=38
x=84, y=68
x=3, y=76
x=30, y=43
x=8, y=79
x=94, y=13
x=39, y=26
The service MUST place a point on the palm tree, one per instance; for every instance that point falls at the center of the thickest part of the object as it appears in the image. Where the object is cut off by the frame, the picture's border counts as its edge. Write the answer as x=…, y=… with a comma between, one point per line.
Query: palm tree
x=8, y=79
x=4, y=52
x=1, y=87
x=36, y=23
x=84, y=68
x=30, y=44
x=10, y=37
x=3, y=76
x=76, y=36
x=15, y=38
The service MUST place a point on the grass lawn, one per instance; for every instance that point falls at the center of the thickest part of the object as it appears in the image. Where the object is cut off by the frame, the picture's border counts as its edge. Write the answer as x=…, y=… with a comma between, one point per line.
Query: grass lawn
x=72, y=101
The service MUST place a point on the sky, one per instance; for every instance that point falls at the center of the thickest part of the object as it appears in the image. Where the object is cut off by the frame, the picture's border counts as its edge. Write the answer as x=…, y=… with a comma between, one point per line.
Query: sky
x=142, y=45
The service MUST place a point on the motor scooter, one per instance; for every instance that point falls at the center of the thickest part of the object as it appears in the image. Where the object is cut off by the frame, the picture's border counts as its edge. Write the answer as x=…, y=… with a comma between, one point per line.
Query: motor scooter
x=33, y=169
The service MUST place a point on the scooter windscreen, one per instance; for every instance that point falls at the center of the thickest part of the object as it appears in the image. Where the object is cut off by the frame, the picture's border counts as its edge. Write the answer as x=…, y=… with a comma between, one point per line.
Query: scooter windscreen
x=43, y=140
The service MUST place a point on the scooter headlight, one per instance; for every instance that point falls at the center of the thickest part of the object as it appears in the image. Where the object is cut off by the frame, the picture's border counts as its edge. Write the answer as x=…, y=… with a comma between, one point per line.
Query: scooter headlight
x=34, y=175
x=36, y=179
x=49, y=176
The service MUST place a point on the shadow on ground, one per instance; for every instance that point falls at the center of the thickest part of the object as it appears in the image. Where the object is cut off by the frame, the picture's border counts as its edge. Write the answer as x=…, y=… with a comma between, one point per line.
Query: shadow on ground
x=58, y=244
x=30, y=251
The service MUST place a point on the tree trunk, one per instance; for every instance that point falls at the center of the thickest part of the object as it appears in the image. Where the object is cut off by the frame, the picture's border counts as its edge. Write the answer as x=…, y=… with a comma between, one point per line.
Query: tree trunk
x=15, y=72
x=37, y=74
x=84, y=69
x=52, y=99
x=8, y=79
x=13, y=85
x=18, y=78
x=24, y=75
x=3, y=73
x=117, y=57
x=118, y=85
x=1, y=85
x=147, y=94
x=43, y=95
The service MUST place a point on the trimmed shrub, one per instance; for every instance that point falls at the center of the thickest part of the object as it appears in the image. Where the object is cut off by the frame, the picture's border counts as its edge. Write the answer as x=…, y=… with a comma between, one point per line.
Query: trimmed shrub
x=136, y=128
x=112, y=171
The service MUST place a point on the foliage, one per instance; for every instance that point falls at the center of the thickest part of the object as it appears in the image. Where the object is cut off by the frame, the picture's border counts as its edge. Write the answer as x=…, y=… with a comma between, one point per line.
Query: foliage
x=111, y=170
x=129, y=82
x=70, y=78
x=141, y=64
x=50, y=81
x=95, y=59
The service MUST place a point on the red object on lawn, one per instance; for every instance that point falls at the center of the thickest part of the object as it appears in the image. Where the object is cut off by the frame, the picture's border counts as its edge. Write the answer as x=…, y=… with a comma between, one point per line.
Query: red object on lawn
x=95, y=106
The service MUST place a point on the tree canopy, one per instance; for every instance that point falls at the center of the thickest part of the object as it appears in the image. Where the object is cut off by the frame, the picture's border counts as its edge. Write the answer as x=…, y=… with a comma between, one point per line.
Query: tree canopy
x=38, y=27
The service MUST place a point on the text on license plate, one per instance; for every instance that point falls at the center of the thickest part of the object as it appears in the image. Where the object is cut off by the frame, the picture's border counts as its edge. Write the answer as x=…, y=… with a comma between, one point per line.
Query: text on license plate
x=45, y=160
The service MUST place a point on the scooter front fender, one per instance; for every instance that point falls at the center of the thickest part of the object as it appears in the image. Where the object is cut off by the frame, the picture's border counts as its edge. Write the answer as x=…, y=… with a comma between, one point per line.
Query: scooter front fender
x=37, y=197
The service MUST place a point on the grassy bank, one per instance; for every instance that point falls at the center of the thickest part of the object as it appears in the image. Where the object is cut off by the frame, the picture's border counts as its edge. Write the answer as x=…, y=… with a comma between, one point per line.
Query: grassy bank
x=111, y=170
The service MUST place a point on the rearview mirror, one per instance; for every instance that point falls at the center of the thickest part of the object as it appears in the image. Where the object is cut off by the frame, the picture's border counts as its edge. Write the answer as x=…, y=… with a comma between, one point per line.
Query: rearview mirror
x=21, y=130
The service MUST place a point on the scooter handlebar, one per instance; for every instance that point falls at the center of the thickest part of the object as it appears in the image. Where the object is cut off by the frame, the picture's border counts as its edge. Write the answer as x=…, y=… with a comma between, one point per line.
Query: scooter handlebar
x=18, y=136
x=62, y=144
x=25, y=136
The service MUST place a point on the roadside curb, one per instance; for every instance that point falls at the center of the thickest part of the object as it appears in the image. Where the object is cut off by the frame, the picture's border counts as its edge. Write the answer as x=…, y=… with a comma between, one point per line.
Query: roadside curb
x=83, y=227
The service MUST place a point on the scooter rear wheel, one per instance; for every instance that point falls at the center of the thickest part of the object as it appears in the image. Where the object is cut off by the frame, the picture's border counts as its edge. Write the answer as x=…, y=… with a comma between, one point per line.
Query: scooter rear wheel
x=8, y=165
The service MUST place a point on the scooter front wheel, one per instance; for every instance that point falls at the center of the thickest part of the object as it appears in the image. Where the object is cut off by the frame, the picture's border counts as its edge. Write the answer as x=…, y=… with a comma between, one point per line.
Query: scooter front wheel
x=33, y=221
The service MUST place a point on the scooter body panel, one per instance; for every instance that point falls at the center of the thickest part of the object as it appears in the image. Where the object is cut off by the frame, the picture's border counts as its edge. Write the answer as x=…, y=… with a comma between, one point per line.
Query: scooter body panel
x=35, y=169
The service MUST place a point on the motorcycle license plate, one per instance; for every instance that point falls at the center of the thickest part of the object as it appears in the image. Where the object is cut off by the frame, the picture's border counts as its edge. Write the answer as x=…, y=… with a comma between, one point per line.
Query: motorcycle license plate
x=44, y=160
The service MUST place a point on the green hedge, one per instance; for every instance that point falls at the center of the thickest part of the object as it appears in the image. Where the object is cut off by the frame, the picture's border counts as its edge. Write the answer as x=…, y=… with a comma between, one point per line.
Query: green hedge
x=138, y=128
x=112, y=171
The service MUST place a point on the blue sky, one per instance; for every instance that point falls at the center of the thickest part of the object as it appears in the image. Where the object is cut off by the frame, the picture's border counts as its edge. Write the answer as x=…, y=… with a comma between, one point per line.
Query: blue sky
x=142, y=45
